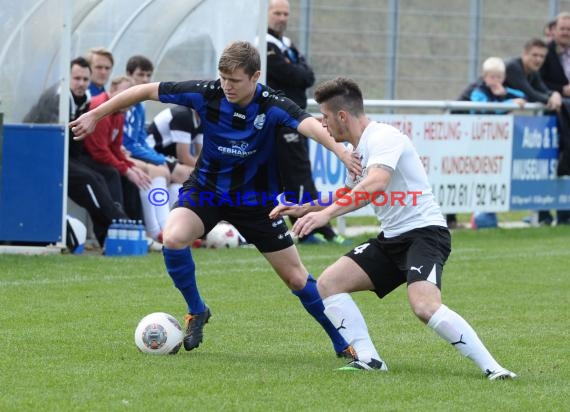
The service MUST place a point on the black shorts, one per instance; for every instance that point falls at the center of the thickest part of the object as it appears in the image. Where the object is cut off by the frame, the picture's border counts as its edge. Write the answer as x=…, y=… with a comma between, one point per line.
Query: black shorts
x=171, y=163
x=252, y=222
x=415, y=255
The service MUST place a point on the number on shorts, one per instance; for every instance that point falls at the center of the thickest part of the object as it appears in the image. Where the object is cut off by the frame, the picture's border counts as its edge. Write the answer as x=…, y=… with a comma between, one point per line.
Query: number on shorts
x=360, y=248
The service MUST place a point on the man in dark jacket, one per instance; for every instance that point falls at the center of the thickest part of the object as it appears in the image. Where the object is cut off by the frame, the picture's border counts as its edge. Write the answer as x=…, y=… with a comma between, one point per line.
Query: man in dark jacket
x=86, y=187
x=555, y=72
x=524, y=73
x=288, y=72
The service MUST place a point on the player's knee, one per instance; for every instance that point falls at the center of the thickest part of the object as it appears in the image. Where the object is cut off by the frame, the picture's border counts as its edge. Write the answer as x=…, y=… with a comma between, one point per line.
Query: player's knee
x=171, y=240
x=325, y=287
x=296, y=282
x=424, y=309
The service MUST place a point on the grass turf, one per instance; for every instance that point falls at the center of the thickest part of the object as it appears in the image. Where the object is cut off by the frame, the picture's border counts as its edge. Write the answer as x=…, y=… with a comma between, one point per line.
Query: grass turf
x=67, y=326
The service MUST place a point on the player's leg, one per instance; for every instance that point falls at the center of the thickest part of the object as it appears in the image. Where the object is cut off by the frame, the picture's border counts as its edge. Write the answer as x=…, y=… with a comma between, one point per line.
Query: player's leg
x=425, y=300
x=334, y=285
x=272, y=239
x=183, y=226
x=426, y=258
x=288, y=266
x=179, y=173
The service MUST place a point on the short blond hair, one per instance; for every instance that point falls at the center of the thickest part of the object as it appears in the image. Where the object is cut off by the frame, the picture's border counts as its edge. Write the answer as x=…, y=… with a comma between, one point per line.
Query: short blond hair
x=494, y=65
x=120, y=79
x=101, y=51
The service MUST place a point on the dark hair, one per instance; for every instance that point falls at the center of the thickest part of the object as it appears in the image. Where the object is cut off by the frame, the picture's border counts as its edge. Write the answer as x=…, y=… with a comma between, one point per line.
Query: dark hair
x=240, y=54
x=81, y=62
x=141, y=62
x=341, y=94
x=535, y=42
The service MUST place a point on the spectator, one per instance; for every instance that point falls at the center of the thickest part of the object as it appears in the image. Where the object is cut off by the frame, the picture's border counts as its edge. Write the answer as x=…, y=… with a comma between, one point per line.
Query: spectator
x=101, y=62
x=490, y=89
x=85, y=186
x=288, y=71
x=164, y=172
x=104, y=151
x=556, y=74
x=176, y=132
x=523, y=73
x=549, y=30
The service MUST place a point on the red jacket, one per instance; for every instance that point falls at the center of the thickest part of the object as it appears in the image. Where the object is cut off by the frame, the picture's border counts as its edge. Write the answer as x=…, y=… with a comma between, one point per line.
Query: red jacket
x=104, y=144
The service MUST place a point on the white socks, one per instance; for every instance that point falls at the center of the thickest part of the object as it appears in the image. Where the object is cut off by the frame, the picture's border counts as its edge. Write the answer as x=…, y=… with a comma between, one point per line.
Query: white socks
x=154, y=215
x=346, y=317
x=455, y=330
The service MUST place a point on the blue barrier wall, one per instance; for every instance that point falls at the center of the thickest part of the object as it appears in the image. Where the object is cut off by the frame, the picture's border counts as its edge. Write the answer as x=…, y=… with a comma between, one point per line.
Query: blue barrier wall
x=31, y=183
x=534, y=183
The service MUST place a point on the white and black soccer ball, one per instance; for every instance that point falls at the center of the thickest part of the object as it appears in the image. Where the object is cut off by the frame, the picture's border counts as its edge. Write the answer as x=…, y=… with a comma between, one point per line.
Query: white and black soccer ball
x=159, y=334
x=223, y=235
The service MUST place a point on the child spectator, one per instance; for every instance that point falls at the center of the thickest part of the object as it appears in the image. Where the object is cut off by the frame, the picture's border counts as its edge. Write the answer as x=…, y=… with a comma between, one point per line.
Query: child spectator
x=491, y=89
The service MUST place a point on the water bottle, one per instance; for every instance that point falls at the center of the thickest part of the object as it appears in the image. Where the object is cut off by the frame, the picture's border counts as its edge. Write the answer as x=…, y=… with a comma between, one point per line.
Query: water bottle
x=122, y=229
x=142, y=248
x=112, y=232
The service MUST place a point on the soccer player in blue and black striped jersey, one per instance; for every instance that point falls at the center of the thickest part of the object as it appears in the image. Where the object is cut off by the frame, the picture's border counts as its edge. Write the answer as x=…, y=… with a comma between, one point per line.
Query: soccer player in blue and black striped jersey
x=236, y=178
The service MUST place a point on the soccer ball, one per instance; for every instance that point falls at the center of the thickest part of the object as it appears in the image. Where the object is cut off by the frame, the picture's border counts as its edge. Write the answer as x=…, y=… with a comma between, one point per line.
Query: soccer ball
x=159, y=334
x=223, y=235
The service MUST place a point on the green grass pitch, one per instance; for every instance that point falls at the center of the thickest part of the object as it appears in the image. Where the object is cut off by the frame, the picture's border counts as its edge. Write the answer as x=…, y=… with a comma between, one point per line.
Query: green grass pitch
x=67, y=325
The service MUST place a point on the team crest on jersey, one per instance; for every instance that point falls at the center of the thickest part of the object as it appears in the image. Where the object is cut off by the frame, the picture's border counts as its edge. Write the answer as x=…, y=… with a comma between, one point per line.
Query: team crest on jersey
x=259, y=121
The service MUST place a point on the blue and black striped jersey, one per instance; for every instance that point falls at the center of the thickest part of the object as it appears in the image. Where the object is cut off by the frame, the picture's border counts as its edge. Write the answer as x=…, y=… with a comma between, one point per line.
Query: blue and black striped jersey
x=239, y=151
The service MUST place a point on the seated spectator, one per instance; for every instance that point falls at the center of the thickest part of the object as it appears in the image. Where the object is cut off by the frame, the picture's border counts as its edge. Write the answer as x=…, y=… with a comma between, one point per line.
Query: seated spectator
x=176, y=132
x=101, y=62
x=85, y=186
x=140, y=69
x=490, y=88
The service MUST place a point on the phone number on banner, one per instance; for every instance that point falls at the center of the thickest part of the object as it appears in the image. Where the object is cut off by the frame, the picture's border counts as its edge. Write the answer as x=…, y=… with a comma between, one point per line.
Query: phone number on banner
x=469, y=197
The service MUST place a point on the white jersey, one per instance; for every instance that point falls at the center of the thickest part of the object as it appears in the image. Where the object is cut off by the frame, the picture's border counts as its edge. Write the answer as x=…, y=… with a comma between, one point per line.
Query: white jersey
x=409, y=201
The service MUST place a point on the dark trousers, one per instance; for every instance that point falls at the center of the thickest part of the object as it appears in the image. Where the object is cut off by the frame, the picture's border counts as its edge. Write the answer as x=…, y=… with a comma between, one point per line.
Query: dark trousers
x=122, y=190
x=563, y=117
x=88, y=189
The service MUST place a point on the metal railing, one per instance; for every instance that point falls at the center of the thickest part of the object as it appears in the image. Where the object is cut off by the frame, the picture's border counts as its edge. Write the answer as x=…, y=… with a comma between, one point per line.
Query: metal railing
x=445, y=106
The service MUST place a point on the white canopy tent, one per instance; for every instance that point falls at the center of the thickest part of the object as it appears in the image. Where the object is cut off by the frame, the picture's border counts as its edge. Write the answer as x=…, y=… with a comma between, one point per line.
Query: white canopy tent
x=183, y=38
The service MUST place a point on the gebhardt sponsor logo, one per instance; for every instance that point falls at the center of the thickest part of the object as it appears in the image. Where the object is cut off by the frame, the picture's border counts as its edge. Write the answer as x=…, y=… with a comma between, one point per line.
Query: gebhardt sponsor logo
x=237, y=149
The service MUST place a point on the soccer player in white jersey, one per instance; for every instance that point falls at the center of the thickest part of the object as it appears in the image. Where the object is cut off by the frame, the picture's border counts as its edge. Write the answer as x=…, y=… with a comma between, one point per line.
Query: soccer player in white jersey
x=414, y=241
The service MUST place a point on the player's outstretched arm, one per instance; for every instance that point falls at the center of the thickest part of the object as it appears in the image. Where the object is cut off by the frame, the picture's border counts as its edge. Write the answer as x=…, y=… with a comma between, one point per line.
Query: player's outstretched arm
x=314, y=129
x=85, y=124
x=376, y=181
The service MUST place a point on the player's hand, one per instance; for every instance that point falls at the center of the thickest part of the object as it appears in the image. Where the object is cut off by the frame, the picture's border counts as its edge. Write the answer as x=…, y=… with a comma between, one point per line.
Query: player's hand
x=139, y=178
x=83, y=126
x=353, y=162
x=286, y=210
x=309, y=222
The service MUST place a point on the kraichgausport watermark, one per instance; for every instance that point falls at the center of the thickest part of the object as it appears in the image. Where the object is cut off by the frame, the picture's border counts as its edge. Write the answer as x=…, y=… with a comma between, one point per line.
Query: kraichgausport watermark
x=344, y=197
